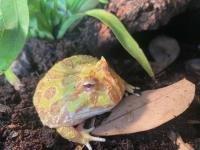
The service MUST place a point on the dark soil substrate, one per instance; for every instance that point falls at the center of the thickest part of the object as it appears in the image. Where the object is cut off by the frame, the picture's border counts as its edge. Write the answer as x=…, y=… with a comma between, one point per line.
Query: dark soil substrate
x=21, y=129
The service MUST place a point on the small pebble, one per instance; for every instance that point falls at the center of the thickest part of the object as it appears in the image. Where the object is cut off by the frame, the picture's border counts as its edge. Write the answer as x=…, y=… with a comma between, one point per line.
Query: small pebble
x=13, y=134
x=4, y=109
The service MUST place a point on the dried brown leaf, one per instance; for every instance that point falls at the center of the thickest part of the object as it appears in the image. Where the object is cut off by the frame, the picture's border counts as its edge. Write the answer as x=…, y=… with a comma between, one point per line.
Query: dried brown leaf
x=151, y=109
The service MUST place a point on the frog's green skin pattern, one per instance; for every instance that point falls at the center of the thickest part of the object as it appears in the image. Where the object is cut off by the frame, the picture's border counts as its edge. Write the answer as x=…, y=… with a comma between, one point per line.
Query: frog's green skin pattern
x=75, y=89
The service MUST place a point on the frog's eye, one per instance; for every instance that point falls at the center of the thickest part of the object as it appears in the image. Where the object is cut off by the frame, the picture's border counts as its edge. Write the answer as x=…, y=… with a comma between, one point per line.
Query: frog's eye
x=89, y=85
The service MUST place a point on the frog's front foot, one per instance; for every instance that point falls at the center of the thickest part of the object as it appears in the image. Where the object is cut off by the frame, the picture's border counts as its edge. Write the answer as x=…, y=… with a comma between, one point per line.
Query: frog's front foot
x=86, y=138
x=131, y=89
x=79, y=135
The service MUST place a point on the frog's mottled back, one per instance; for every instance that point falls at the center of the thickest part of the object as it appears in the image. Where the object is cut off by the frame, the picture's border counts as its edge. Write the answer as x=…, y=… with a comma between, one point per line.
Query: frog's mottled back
x=75, y=89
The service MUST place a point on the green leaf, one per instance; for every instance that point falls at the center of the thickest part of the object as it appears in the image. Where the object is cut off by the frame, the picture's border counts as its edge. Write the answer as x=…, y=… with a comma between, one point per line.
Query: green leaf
x=12, y=40
x=77, y=8
x=88, y=4
x=1, y=22
x=8, y=14
x=40, y=19
x=46, y=17
x=22, y=14
x=103, y=1
x=123, y=36
x=50, y=18
x=70, y=3
x=68, y=24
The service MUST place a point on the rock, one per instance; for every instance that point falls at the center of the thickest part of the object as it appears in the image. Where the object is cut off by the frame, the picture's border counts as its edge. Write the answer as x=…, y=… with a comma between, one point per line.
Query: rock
x=22, y=66
x=192, y=68
x=164, y=51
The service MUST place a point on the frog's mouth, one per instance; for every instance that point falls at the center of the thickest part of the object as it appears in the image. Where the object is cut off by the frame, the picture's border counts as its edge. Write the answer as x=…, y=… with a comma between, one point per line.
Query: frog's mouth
x=65, y=118
x=86, y=113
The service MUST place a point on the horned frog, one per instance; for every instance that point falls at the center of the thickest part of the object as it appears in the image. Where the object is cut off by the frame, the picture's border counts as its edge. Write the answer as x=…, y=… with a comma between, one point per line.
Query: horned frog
x=75, y=89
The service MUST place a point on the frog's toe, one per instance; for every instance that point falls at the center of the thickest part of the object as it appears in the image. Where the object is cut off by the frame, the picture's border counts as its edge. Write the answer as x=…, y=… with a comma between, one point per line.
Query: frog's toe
x=87, y=137
x=88, y=146
x=131, y=89
x=79, y=135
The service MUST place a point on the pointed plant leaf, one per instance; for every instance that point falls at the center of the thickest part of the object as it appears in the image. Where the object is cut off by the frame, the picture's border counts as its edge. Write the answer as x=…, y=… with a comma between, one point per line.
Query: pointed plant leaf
x=12, y=40
x=68, y=23
x=103, y=1
x=88, y=5
x=119, y=31
x=123, y=36
x=11, y=43
x=150, y=110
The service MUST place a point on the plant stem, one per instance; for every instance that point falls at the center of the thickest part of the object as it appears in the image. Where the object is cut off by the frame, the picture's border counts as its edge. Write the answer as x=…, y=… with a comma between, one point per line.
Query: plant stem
x=12, y=78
